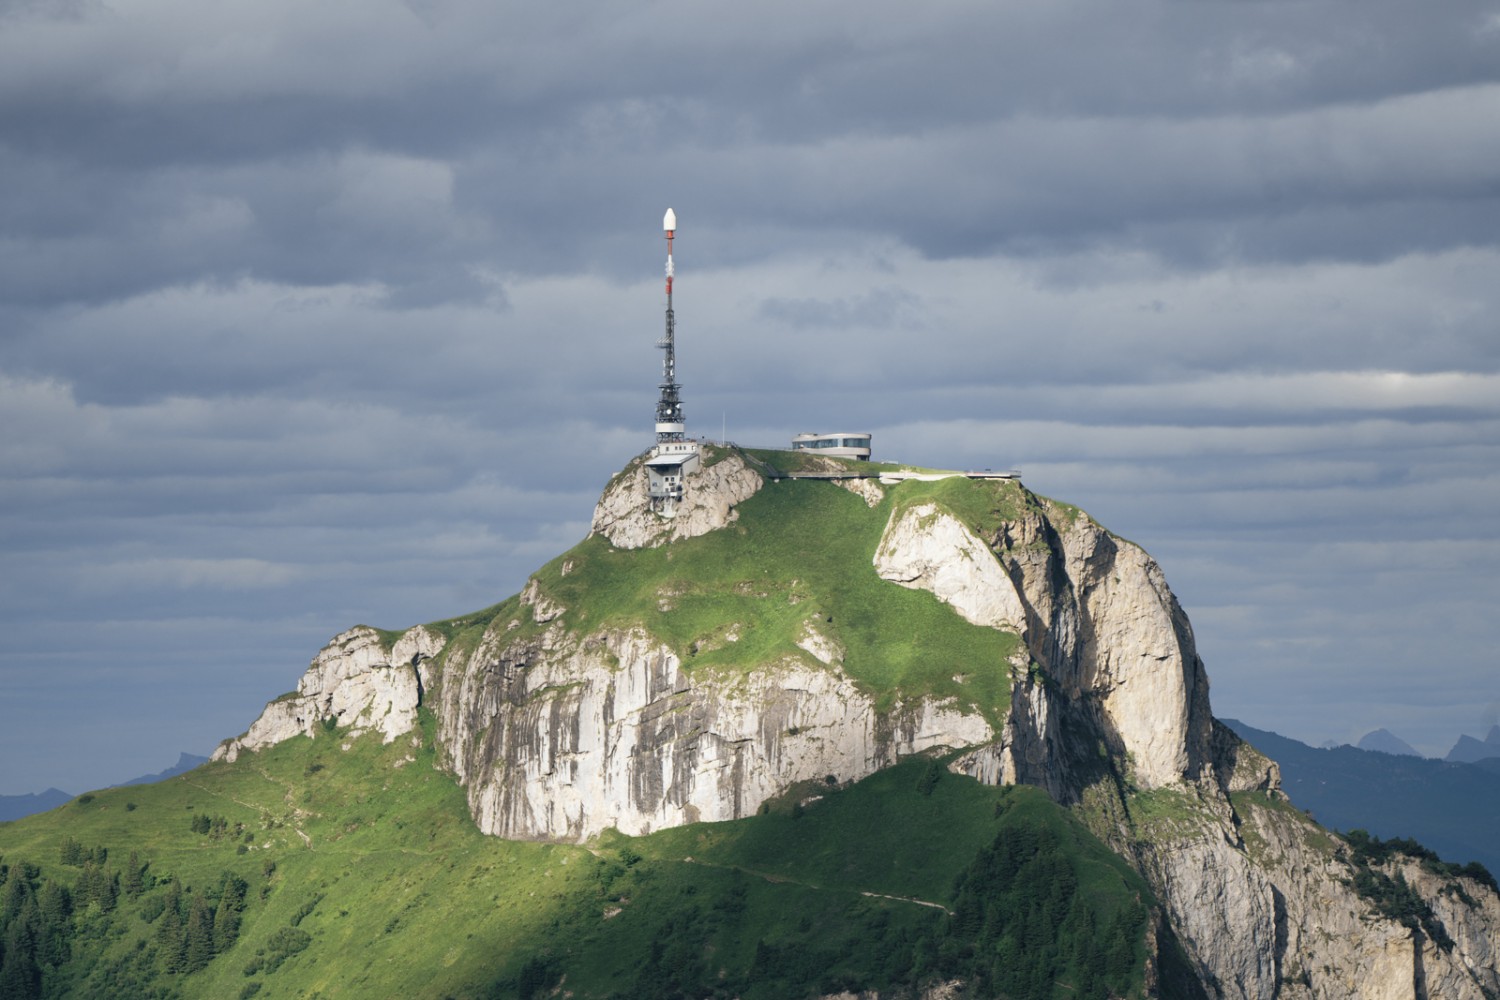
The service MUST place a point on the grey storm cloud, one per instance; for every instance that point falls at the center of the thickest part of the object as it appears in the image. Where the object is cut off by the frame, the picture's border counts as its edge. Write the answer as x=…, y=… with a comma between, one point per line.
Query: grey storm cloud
x=320, y=314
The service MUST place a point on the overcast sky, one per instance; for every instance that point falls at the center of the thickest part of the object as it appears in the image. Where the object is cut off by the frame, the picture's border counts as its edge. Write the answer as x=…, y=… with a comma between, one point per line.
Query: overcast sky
x=343, y=312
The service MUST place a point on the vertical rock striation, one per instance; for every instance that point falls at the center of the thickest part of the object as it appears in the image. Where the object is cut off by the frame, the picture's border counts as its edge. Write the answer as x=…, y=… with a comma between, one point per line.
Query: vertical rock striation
x=559, y=737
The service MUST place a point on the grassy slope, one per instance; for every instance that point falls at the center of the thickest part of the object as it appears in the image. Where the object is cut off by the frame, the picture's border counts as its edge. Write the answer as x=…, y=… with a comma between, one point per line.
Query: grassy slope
x=800, y=551
x=415, y=899
x=402, y=897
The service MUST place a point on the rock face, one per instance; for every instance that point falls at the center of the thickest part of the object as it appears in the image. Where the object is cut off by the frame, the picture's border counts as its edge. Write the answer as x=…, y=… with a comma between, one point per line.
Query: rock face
x=560, y=725
x=1267, y=908
x=710, y=493
x=561, y=737
x=925, y=548
x=353, y=680
x=1099, y=622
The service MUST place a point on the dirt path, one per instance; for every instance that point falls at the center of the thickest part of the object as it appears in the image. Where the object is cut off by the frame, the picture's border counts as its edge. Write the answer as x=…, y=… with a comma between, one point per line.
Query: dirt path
x=766, y=877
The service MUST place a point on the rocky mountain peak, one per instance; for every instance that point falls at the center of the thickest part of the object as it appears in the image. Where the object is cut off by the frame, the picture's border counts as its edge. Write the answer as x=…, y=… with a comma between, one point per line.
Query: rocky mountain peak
x=778, y=634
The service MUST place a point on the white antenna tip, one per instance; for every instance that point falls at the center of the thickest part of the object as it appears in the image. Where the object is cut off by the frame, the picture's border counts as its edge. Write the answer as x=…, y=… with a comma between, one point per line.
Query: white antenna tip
x=670, y=222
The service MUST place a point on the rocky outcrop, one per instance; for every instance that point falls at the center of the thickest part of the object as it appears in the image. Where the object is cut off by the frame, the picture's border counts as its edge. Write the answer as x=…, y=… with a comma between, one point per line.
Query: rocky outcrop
x=1267, y=908
x=1099, y=622
x=354, y=682
x=711, y=491
x=867, y=490
x=928, y=549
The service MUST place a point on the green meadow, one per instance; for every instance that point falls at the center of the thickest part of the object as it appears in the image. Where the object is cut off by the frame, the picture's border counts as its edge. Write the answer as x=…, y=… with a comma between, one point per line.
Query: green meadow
x=364, y=876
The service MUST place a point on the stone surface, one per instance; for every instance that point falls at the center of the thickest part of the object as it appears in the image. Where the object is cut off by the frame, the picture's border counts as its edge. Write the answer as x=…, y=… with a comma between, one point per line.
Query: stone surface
x=561, y=737
x=624, y=514
x=928, y=549
x=356, y=682
x=867, y=490
x=1099, y=621
x=1275, y=916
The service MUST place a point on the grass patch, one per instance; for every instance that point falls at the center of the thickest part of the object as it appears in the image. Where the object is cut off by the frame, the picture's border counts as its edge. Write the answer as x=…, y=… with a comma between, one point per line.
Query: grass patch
x=984, y=505
x=780, y=905
x=359, y=872
x=1163, y=814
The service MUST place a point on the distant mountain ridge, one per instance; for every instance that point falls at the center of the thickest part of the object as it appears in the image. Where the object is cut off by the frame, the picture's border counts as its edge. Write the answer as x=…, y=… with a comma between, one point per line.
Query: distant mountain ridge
x=16, y=806
x=31, y=803
x=1453, y=808
x=1385, y=741
x=185, y=762
x=1468, y=750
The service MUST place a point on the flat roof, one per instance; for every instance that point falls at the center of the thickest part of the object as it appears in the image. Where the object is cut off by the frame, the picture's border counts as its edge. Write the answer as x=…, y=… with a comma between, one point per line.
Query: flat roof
x=672, y=458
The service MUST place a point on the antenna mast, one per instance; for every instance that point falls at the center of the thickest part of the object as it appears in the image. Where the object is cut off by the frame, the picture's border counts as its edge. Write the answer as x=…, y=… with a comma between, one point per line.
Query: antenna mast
x=670, y=425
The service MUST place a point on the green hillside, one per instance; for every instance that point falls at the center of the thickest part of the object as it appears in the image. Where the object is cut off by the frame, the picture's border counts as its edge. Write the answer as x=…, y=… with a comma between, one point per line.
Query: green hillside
x=358, y=873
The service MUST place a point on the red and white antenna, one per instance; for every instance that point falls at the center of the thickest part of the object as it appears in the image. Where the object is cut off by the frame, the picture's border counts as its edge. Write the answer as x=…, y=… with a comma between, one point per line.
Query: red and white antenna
x=669, y=223
x=670, y=425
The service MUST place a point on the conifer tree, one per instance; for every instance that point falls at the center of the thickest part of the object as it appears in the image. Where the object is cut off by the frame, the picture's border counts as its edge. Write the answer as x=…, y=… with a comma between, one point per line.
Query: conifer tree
x=227, y=916
x=70, y=852
x=20, y=976
x=135, y=882
x=171, y=936
x=53, y=928
x=13, y=895
x=199, y=935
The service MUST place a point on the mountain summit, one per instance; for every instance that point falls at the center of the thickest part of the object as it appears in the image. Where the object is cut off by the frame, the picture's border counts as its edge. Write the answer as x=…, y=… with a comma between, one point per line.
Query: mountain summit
x=1468, y=750
x=1385, y=741
x=776, y=630
x=800, y=623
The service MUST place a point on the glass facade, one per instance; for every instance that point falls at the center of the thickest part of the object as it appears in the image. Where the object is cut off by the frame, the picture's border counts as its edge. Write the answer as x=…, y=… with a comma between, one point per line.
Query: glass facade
x=831, y=441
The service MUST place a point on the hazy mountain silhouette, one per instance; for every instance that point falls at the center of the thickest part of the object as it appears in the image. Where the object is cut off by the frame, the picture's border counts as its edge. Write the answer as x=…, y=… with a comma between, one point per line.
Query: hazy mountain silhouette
x=1385, y=741
x=1453, y=808
x=16, y=806
x=1468, y=750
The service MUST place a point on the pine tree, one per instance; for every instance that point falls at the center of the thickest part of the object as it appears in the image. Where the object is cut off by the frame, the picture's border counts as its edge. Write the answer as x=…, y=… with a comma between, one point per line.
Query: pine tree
x=199, y=949
x=171, y=936
x=96, y=887
x=13, y=895
x=227, y=916
x=20, y=976
x=171, y=941
x=70, y=852
x=53, y=928
x=135, y=881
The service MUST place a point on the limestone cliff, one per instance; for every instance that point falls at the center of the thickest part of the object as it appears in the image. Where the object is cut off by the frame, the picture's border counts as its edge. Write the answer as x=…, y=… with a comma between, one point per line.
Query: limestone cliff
x=775, y=635
x=1267, y=904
